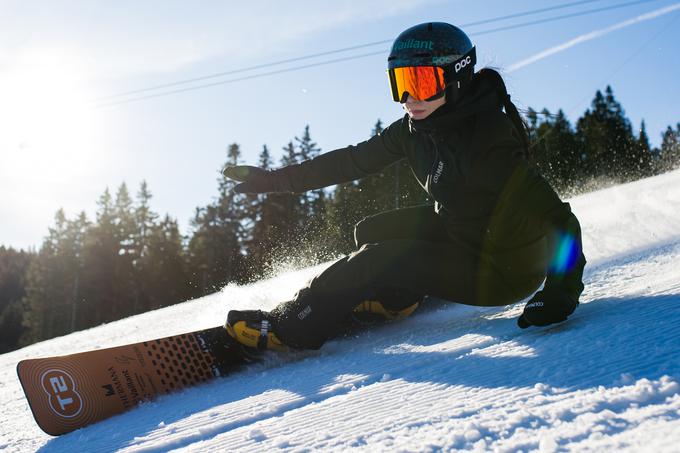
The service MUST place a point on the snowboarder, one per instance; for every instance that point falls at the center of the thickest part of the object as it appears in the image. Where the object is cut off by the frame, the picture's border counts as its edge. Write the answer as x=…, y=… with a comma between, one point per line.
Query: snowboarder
x=497, y=229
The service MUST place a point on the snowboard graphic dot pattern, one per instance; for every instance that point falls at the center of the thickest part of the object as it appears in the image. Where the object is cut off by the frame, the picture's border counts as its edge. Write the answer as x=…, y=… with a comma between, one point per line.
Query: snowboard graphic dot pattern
x=180, y=361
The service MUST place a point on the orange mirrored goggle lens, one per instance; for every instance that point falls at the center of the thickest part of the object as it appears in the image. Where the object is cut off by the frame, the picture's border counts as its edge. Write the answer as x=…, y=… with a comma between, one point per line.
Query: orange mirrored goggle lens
x=421, y=82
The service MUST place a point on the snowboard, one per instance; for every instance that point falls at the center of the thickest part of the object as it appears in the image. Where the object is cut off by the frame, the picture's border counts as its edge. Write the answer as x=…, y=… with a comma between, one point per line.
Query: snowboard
x=69, y=392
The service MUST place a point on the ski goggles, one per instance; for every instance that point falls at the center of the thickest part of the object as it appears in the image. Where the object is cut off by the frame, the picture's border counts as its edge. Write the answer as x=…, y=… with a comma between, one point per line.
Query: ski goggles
x=423, y=83
x=426, y=82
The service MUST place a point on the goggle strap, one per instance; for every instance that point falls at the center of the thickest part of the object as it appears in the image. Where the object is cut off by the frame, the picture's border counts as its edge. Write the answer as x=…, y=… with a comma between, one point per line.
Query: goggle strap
x=467, y=60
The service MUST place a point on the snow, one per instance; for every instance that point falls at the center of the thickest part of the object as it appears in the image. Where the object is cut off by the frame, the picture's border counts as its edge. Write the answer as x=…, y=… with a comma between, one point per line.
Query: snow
x=452, y=378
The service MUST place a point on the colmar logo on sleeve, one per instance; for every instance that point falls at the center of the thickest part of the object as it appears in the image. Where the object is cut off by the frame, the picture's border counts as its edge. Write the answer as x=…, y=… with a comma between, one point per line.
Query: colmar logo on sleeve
x=438, y=172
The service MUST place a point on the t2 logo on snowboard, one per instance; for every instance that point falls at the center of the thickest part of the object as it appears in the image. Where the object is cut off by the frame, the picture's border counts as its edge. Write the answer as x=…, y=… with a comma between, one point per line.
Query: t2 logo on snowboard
x=60, y=387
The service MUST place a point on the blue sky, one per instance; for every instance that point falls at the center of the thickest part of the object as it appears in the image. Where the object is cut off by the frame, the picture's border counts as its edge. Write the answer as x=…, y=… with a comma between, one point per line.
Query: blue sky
x=56, y=57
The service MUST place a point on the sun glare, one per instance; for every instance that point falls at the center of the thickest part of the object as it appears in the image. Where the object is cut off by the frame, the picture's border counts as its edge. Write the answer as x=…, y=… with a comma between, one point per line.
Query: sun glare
x=46, y=123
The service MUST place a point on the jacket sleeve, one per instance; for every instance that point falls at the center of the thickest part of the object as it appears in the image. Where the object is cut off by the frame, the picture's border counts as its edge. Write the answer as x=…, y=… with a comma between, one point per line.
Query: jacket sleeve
x=530, y=196
x=563, y=232
x=345, y=164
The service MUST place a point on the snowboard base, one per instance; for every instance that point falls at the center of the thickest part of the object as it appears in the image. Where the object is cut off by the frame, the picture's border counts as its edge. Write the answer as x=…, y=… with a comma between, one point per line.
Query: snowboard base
x=69, y=392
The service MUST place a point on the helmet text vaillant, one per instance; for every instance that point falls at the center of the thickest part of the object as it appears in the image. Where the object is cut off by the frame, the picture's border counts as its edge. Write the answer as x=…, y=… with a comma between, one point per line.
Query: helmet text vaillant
x=413, y=44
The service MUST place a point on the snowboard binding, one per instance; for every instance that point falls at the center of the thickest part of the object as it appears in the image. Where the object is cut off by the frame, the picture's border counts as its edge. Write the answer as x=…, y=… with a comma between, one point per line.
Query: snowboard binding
x=252, y=329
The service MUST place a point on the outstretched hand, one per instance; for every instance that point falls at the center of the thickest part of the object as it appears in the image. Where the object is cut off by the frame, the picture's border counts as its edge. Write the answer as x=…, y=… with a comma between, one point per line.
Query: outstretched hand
x=252, y=179
x=548, y=306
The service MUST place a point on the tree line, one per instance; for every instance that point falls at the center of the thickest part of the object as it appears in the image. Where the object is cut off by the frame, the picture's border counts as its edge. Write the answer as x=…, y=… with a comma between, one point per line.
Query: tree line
x=129, y=259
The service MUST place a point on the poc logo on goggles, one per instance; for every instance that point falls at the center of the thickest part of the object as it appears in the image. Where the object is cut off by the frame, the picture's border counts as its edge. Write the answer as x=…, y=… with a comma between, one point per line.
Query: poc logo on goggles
x=463, y=63
x=60, y=387
x=459, y=62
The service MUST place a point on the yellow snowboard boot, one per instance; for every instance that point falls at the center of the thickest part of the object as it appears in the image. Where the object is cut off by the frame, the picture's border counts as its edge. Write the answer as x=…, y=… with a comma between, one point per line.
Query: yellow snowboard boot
x=372, y=311
x=252, y=328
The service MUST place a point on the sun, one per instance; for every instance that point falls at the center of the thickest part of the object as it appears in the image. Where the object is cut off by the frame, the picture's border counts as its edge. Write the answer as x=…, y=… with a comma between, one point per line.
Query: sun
x=46, y=125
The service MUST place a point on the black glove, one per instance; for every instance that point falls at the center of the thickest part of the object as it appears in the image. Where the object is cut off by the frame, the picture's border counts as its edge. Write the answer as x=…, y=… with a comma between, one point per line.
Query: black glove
x=252, y=179
x=548, y=306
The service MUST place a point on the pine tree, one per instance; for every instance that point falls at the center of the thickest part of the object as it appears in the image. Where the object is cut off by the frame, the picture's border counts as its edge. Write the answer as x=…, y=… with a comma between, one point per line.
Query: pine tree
x=307, y=149
x=264, y=223
x=145, y=220
x=101, y=291
x=342, y=217
x=78, y=230
x=314, y=228
x=532, y=124
x=293, y=213
x=642, y=154
x=13, y=267
x=128, y=254
x=592, y=134
x=562, y=151
x=669, y=155
x=53, y=289
x=36, y=302
x=231, y=213
x=542, y=155
x=215, y=256
x=623, y=142
x=165, y=279
x=379, y=192
x=607, y=139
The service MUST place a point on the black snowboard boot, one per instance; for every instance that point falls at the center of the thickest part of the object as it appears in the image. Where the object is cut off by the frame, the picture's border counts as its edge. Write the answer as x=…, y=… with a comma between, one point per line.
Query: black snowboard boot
x=252, y=328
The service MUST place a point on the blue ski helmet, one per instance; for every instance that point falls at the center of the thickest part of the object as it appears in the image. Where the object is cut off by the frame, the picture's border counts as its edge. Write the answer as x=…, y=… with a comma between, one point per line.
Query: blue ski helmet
x=433, y=44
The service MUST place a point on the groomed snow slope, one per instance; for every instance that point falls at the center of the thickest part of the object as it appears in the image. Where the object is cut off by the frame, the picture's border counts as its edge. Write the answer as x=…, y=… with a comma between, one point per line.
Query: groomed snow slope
x=451, y=378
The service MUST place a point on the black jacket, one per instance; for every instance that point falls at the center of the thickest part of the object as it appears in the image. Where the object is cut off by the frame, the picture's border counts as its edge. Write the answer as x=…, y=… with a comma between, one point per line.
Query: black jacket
x=470, y=160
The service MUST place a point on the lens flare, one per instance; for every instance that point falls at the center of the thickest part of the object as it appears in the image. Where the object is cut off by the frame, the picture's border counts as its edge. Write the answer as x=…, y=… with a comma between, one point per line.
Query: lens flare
x=566, y=254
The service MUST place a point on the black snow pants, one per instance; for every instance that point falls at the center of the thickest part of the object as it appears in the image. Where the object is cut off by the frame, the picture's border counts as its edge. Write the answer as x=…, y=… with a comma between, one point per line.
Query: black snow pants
x=409, y=250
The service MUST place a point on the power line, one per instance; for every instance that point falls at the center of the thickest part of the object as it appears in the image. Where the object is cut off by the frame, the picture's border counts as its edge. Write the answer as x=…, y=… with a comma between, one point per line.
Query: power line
x=330, y=52
x=249, y=77
x=102, y=102
x=249, y=68
x=565, y=16
x=528, y=13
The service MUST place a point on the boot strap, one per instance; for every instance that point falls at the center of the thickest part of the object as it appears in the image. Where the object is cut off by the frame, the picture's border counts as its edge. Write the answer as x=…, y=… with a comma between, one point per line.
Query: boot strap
x=264, y=334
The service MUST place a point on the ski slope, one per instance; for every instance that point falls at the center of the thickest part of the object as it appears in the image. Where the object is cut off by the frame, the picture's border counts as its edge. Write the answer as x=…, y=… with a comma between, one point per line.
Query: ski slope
x=452, y=378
